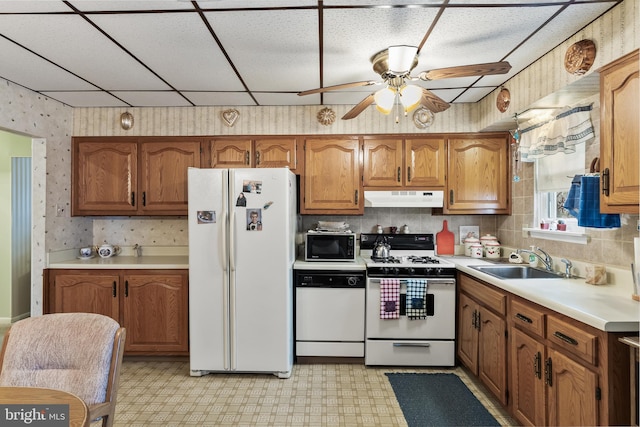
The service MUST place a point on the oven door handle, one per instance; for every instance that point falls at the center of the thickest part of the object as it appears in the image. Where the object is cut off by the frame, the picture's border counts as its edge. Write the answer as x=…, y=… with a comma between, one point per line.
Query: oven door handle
x=411, y=344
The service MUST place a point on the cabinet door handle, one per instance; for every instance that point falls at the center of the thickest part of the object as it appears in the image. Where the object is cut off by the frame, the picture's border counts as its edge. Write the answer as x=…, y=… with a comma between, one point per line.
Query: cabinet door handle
x=133, y=198
x=126, y=288
x=144, y=198
x=548, y=372
x=409, y=173
x=523, y=318
x=451, y=197
x=257, y=158
x=246, y=157
x=115, y=287
x=605, y=182
x=356, y=197
x=399, y=171
x=565, y=338
x=537, y=368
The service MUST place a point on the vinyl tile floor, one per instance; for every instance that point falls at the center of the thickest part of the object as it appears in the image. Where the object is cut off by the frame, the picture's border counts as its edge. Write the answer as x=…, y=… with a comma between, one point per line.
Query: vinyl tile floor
x=156, y=393
x=162, y=393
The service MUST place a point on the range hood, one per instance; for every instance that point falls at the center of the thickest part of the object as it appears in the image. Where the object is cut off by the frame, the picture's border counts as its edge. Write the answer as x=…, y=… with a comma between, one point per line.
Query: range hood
x=404, y=199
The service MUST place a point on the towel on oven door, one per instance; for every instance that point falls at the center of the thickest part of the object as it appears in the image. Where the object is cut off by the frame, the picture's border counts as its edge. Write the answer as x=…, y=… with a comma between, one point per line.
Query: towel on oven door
x=389, y=299
x=416, y=301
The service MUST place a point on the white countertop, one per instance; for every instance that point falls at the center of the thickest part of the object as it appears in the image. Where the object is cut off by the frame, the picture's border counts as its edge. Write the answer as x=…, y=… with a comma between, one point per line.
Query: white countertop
x=126, y=262
x=358, y=264
x=153, y=257
x=608, y=308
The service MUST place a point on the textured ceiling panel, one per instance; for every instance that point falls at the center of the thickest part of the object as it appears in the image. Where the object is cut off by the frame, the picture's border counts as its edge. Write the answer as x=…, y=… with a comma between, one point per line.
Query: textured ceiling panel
x=72, y=43
x=262, y=52
x=86, y=99
x=34, y=72
x=177, y=46
x=278, y=53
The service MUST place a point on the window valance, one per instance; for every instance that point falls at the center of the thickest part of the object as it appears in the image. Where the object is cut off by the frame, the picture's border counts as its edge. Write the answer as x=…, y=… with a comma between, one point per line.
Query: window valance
x=560, y=134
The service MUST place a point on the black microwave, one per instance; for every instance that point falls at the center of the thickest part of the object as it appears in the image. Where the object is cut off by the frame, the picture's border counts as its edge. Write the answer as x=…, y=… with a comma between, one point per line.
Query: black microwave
x=325, y=246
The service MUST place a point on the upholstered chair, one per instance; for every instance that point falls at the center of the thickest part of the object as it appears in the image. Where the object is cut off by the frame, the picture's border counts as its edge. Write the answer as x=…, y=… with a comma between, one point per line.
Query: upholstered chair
x=80, y=353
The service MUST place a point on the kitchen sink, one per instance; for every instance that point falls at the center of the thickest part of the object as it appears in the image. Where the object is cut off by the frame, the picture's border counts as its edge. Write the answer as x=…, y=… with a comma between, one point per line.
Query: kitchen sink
x=516, y=272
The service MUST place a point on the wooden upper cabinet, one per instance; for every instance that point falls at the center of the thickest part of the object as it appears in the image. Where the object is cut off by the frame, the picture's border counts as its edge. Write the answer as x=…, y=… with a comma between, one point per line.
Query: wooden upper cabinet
x=132, y=176
x=163, y=174
x=104, y=176
x=383, y=162
x=332, y=176
x=619, y=136
x=276, y=153
x=478, y=180
x=231, y=153
x=263, y=152
x=413, y=163
x=425, y=162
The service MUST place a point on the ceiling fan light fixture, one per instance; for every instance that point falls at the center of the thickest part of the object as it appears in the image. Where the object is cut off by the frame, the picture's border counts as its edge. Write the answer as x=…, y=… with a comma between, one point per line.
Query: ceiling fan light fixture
x=385, y=99
x=410, y=97
x=401, y=59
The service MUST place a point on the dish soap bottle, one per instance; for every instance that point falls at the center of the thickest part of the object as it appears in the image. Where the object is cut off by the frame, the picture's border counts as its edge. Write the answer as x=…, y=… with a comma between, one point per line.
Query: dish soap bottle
x=533, y=260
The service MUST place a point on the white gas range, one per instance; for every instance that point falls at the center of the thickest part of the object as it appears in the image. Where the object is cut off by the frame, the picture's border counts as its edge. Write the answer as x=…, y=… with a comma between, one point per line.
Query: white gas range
x=410, y=302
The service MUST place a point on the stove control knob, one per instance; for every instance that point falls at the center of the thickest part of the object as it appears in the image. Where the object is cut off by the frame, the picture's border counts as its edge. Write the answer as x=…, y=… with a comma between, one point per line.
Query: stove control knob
x=352, y=280
x=396, y=271
x=385, y=271
x=438, y=271
x=411, y=271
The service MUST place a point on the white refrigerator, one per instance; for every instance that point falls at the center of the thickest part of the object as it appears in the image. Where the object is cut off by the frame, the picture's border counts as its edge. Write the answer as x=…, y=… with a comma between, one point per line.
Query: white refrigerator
x=242, y=225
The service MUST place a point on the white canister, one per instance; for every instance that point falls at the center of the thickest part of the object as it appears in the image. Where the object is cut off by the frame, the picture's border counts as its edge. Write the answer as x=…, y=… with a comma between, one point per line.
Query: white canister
x=467, y=244
x=476, y=250
x=492, y=249
x=487, y=238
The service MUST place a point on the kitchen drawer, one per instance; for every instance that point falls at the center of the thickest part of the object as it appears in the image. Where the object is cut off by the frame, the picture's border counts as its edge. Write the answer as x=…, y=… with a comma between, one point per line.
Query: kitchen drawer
x=330, y=349
x=409, y=353
x=527, y=317
x=572, y=338
x=490, y=298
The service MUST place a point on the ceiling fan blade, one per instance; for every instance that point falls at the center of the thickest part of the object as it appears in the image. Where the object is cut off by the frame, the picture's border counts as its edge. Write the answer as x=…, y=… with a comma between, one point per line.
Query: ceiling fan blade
x=433, y=102
x=338, y=87
x=362, y=105
x=466, y=71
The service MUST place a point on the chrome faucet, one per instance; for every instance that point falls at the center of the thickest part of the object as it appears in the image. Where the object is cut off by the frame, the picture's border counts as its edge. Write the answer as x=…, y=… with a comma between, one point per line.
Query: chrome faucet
x=567, y=268
x=547, y=261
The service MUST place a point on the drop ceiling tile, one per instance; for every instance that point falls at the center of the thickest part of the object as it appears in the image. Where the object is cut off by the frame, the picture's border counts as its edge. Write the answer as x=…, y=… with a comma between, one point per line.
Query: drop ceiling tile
x=29, y=70
x=353, y=36
x=270, y=98
x=72, y=43
x=477, y=35
x=152, y=99
x=219, y=98
x=86, y=99
x=242, y=4
x=474, y=94
x=279, y=53
x=7, y=6
x=89, y=5
x=189, y=58
x=379, y=3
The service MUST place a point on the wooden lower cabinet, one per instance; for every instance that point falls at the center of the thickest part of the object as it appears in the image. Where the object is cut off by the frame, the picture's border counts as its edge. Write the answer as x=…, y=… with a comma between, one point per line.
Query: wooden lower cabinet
x=151, y=304
x=482, y=342
x=562, y=372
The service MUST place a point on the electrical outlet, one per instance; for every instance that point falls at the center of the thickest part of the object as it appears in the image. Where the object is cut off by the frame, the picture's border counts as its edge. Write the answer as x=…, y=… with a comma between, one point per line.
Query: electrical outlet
x=638, y=225
x=59, y=210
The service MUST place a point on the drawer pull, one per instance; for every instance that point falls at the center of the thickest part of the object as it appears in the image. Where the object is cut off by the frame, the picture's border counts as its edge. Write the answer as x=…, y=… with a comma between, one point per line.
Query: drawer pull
x=411, y=344
x=565, y=338
x=523, y=318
